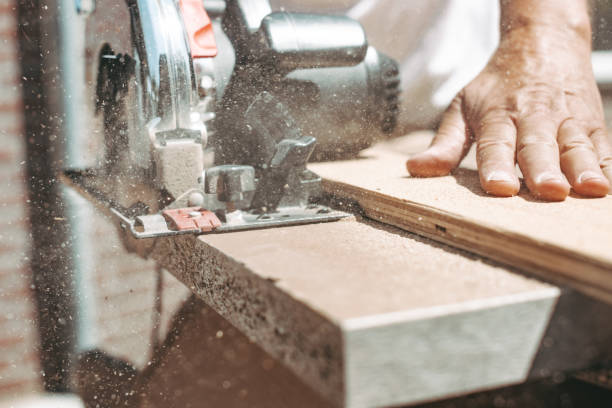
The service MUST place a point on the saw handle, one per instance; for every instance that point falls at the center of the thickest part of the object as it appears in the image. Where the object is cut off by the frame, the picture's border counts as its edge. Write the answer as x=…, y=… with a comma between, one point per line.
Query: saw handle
x=293, y=41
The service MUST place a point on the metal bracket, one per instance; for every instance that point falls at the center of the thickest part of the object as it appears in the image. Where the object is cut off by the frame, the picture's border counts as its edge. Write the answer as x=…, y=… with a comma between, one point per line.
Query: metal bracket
x=164, y=223
x=155, y=225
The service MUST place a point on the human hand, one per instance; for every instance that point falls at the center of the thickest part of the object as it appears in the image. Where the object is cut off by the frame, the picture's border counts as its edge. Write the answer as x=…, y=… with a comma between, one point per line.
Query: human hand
x=535, y=103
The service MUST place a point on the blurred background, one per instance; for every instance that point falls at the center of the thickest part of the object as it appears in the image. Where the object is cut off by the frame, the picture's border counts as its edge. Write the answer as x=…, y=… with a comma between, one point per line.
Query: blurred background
x=70, y=296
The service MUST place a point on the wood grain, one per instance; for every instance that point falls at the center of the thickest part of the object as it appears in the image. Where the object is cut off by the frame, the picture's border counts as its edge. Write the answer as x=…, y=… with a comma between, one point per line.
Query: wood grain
x=568, y=242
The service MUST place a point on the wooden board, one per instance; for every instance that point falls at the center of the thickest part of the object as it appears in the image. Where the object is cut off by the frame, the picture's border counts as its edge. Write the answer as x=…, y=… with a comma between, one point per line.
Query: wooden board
x=372, y=316
x=568, y=242
x=369, y=315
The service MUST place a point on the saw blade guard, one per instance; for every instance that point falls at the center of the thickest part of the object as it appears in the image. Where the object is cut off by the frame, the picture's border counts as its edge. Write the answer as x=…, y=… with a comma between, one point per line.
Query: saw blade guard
x=145, y=95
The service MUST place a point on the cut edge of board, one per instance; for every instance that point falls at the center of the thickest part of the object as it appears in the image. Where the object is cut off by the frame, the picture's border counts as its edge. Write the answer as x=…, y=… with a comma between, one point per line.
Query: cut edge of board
x=264, y=313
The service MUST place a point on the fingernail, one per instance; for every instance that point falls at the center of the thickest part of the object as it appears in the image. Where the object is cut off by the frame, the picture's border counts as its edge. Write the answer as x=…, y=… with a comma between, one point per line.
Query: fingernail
x=499, y=176
x=549, y=177
x=589, y=175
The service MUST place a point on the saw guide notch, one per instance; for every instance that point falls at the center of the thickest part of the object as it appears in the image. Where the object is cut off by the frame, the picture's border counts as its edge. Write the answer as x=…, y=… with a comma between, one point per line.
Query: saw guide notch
x=568, y=242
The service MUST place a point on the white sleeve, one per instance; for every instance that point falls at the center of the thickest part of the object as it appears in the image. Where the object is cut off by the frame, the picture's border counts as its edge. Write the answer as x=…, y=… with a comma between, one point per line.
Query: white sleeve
x=441, y=45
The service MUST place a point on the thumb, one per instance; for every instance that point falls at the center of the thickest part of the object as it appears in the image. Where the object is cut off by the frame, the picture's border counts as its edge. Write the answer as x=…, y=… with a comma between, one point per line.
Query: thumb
x=447, y=148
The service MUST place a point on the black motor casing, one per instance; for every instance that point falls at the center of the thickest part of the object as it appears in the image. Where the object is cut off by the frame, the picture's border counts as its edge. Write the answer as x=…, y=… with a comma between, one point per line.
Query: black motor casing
x=336, y=88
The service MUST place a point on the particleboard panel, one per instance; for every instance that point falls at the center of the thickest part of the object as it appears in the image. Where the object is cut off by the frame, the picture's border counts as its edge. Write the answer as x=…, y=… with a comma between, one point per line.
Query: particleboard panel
x=568, y=242
x=369, y=315
x=366, y=315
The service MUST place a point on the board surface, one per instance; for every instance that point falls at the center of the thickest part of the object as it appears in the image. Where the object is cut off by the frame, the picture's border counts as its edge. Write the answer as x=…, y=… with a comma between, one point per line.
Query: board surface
x=366, y=314
x=568, y=242
x=369, y=315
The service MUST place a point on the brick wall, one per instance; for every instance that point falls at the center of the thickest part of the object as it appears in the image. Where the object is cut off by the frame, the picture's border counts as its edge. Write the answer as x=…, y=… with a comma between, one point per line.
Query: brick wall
x=19, y=366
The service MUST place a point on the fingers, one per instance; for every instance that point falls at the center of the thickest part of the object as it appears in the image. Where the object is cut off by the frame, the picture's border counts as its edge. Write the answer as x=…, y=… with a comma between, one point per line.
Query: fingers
x=601, y=141
x=550, y=157
x=447, y=149
x=495, y=154
x=580, y=162
x=538, y=157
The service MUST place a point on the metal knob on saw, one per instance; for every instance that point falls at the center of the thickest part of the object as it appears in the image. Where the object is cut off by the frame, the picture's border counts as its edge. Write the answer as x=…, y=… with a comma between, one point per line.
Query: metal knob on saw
x=232, y=184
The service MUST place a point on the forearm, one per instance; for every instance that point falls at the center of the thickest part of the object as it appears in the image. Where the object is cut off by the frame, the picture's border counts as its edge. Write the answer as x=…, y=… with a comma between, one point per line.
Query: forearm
x=572, y=16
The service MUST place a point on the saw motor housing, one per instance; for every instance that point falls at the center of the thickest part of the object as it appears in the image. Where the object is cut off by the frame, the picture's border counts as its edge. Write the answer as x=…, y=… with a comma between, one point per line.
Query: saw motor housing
x=206, y=114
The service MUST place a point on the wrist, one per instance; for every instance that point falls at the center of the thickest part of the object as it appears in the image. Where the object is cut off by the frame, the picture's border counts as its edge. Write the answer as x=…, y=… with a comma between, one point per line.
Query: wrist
x=569, y=19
